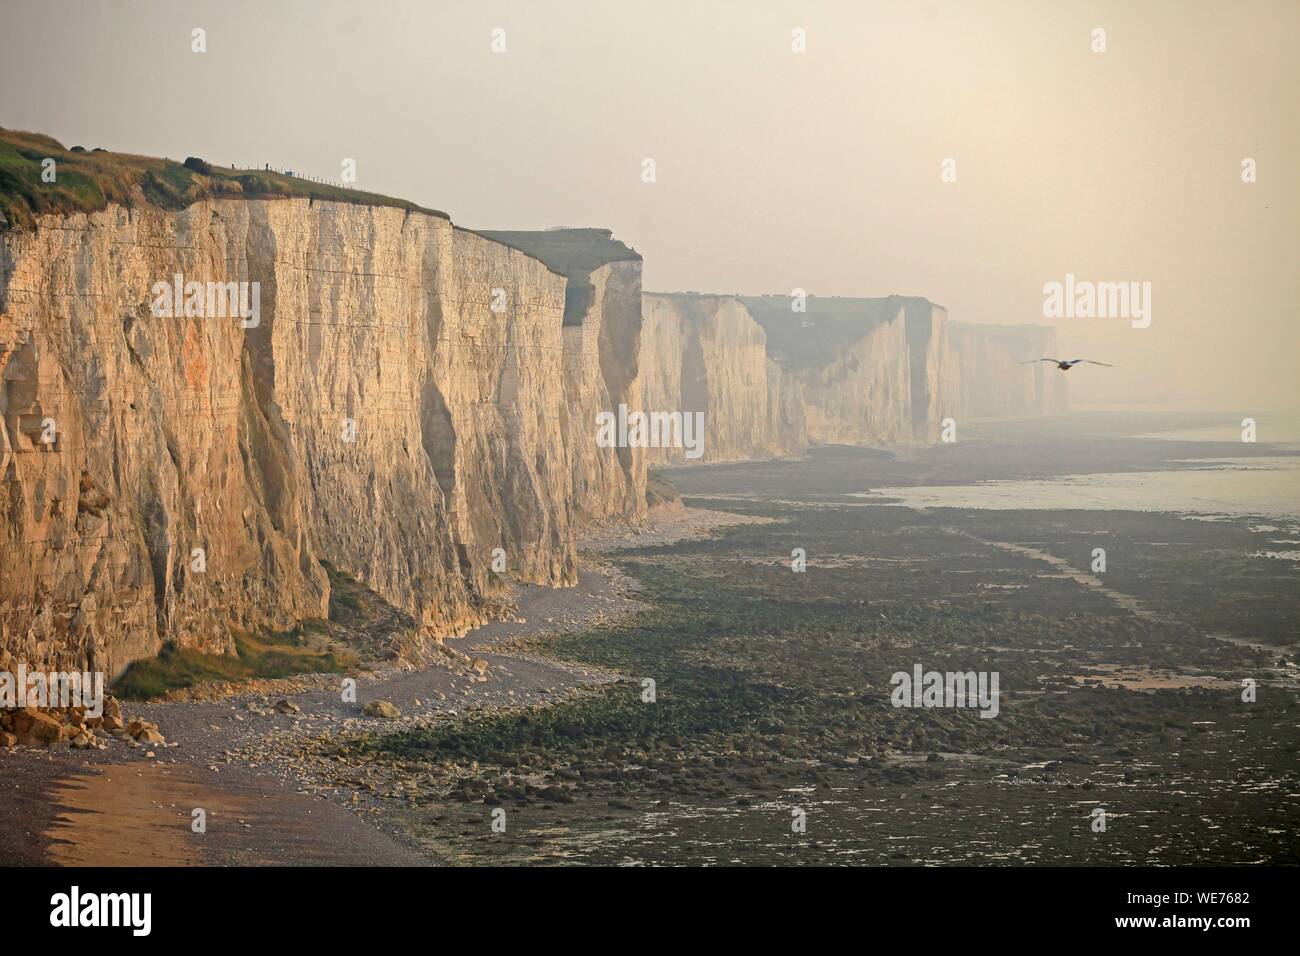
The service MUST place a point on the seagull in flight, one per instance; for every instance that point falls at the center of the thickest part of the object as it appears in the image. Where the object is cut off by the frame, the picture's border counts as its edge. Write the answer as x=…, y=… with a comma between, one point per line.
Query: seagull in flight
x=1065, y=366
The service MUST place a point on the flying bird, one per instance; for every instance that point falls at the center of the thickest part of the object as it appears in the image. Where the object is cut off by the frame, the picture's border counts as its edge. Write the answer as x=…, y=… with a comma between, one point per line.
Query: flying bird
x=1065, y=366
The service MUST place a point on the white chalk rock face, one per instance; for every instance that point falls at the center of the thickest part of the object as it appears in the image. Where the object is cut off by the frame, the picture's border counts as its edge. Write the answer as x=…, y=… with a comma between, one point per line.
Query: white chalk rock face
x=995, y=383
x=890, y=370
x=600, y=373
x=602, y=328
x=389, y=412
x=706, y=354
x=836, y=371
x=870, y=371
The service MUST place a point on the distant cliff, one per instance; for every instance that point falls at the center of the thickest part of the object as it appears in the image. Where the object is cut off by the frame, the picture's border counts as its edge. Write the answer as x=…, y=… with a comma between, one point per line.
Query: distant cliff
x=842, y=371
x=993, y=379
x=702, y=353
x=871, y=370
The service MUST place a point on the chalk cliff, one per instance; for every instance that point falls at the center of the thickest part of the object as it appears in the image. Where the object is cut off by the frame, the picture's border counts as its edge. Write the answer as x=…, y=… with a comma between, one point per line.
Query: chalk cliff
x=405, y=405
x=993, y=380
x=870, y=370
x=602, y=330
x=705, y=353
x=842, y=371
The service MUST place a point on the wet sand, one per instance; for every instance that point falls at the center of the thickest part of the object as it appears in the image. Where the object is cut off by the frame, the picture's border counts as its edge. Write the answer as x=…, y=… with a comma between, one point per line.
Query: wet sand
x=66, y=809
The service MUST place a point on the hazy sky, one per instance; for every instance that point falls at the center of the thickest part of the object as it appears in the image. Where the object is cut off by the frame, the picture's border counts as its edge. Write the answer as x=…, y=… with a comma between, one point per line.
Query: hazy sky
x=775, y=170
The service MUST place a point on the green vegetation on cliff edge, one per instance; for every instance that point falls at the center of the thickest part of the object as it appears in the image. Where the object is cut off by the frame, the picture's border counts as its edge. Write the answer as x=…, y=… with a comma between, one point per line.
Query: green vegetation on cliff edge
x=88, y=181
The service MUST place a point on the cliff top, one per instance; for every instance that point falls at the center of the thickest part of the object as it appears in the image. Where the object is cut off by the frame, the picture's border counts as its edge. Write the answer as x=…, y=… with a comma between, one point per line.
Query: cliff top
x=828, y=325
x=1001, y=328
x=831, y=323
x=573, y=253
x=566, y=251
x=697, y=295
x=87, y=181
x=874, y=309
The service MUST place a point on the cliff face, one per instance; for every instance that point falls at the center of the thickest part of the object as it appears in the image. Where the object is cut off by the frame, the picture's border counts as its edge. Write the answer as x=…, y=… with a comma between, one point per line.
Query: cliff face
x=993, y=382
x=892, y=369
x=602, y=330
x=869, y=370
x=863, y=394
x=844, y=371
x=402, y=407
x=707, y=354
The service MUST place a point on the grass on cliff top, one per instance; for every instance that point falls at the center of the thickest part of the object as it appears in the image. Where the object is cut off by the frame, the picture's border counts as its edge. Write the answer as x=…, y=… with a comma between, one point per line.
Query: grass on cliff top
x=570, y=252
x=87, y=181
x=260, y=656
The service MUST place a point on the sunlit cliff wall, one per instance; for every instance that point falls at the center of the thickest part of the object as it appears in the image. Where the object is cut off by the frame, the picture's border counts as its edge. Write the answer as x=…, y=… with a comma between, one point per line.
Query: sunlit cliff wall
x=384, y=415
x=702, y=353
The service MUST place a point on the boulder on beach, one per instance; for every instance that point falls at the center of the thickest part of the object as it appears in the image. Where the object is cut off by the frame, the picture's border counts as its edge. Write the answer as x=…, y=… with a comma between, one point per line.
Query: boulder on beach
x=381, y=708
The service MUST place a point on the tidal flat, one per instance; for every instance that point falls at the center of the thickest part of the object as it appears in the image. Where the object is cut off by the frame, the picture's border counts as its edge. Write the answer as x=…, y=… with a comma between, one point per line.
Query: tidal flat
x=771, y=737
